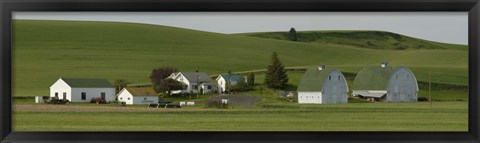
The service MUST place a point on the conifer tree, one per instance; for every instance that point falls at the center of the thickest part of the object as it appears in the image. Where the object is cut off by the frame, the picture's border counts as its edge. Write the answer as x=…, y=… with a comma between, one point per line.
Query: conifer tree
x=276, y=76
x=293, y=34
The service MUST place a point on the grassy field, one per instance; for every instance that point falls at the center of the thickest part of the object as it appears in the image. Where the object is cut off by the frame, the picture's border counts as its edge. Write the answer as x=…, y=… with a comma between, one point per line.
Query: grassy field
x=445, y=116
x=45, y=50
x=363, y=39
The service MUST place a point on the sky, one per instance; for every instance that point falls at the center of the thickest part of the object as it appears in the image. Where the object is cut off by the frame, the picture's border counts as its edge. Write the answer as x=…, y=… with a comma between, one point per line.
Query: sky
x=447, y=27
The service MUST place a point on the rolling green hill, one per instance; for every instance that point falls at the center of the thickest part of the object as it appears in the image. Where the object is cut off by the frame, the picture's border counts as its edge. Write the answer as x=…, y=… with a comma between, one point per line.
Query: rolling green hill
x=361, y=39
x=45, y=50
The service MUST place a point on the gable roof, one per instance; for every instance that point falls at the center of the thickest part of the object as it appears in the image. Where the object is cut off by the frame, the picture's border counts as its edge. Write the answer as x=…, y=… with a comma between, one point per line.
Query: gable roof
x=372, y=78
x=233, y=77
x=313, y=79
x=192, y=77
x=141, y=91
x=88, y=82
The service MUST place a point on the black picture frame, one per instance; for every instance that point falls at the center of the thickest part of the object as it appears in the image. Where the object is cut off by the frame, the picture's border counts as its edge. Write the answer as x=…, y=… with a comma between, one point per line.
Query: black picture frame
x=9, y=6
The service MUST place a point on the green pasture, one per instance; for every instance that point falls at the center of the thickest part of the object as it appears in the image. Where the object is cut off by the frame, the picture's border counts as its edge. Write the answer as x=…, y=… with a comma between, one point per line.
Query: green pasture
x=443, y=116
x=45, y=50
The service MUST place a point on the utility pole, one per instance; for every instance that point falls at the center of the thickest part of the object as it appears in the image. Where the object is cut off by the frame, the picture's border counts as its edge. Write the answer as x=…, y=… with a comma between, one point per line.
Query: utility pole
x=198, y=87
x=229, y=81
x=429, y=90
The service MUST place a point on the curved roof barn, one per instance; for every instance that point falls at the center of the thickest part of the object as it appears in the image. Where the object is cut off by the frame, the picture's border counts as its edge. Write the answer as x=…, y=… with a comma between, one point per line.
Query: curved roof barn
x=313, y=79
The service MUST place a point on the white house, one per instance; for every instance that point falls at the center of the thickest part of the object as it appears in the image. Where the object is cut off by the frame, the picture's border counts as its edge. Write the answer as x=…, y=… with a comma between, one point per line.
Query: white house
x=233, y=79
x=322, y=86
x=193, y=82
x=138, y=95
x=82, y=89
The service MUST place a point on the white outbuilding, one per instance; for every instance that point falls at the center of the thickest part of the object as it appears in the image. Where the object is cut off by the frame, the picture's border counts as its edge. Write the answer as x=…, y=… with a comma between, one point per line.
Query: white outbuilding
x=138, y=95
x=82, y=89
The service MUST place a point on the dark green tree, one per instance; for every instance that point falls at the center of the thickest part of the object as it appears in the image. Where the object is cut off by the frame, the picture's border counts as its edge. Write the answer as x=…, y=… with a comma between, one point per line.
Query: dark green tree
x=292, y=34
x=251, y=79
x=159, y=75
x=167, y=85
x=119, y=85
x=276, y=76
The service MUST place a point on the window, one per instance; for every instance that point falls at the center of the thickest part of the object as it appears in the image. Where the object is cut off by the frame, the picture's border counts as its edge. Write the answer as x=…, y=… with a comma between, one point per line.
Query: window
x=329, y=77
x=84, y=96
x=338, y=77
x=209, y=87
x=408, y=75
x=102, y=95
x=56, y=94
x=144, y=98
x=121, y=98
x=395, y=88
x=396, y=75
x=128, y=98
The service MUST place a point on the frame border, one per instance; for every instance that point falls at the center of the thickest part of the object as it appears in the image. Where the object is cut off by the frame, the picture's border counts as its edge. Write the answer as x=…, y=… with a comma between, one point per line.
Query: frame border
x=9, y=6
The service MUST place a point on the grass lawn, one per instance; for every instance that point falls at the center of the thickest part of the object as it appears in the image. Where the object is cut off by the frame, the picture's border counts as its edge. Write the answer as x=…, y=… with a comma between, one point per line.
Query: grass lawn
x=443, y=116
x=45, y=50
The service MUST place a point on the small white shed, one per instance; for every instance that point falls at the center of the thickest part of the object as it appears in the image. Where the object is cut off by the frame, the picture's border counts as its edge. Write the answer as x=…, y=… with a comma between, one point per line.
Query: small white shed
x=138, y=95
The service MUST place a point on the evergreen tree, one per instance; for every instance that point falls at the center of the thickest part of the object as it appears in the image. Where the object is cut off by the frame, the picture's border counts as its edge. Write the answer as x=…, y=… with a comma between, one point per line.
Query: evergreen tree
x=276, y=76
x=293, y=34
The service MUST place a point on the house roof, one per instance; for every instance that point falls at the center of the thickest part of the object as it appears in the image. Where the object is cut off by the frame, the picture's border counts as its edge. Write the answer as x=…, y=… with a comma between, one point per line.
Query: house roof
x=313, y=79
x=192, y=77
x=233, y=77
x=88, y=82
x=141, y=91
x=372, y=78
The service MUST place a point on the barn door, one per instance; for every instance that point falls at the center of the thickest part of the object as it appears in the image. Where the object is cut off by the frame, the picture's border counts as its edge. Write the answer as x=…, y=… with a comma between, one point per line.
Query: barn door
x=64, y=95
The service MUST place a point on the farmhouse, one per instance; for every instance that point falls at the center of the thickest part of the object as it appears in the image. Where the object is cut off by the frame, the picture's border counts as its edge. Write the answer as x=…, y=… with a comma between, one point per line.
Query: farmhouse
x=385, y=83
x=322, y=86
x=138, y=95
x=194, y=82
x=82, y=89
x=232, y=79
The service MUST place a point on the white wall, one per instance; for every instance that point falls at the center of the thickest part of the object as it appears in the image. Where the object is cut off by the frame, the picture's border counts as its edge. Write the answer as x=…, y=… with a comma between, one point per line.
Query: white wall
x=125, y=96
x=305, y=97
x=184, y=81
x=91, y=93
x=60, y=87
x=221, y=83
x=141, y=99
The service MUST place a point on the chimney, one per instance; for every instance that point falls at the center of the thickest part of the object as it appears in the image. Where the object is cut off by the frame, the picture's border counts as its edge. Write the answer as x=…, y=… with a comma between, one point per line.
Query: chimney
x=384, y=64
x=321, y=67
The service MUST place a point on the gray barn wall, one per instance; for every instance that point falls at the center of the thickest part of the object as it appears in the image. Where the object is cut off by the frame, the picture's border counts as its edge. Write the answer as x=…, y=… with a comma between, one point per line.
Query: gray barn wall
x=335, y=90
x=407, y=86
